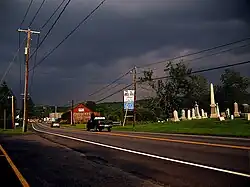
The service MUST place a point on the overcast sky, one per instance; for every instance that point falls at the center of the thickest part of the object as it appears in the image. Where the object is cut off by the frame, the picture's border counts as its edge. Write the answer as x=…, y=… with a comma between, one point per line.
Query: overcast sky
x=121, y=34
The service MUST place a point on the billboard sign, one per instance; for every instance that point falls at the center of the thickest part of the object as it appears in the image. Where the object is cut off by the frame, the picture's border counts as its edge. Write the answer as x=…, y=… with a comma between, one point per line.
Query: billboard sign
x=129, y=98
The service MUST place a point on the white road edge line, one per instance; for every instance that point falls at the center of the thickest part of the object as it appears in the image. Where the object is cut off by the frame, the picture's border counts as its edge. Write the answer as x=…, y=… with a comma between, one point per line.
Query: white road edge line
x=146, y=154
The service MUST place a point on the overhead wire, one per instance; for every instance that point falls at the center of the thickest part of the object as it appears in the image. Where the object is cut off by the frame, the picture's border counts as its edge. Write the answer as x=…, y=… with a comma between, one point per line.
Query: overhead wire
x=37, y=12
x=191, y=54
x=163, y=77
x=55, y=11
x=35, y=61
x=197, y=52
x=83, y=21
x=26, y=13
x=47, y=34
x=11, y=63
x=212, y=54
x=114, y=81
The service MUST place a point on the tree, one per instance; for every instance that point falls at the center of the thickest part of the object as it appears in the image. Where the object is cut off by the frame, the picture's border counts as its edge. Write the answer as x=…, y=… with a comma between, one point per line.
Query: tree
x=234, y=88
x=5, y=101
x=91, y=105
x=179, y=90
x=31, y=109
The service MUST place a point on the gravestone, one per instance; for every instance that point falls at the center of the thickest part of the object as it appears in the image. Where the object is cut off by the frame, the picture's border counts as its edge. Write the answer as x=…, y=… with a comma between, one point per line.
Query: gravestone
x=183, y=115
x=189, y=115
x=236, y=110
x=176, y=118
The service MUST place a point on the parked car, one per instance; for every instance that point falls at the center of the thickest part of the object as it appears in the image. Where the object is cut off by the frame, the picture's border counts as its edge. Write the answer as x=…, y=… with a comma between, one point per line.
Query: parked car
x=98, y=124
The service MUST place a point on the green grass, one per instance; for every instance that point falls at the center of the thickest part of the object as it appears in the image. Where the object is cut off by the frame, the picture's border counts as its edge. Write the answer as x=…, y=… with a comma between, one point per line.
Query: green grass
x=237, y=127
x=17, y=131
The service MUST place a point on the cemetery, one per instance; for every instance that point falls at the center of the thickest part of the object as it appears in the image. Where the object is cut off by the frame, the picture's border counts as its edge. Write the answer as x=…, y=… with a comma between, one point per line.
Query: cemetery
x=197, y=121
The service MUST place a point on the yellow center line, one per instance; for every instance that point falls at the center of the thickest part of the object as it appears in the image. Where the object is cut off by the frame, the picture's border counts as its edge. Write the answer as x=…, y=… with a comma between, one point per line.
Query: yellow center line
x=177, y=141
x=17, y=172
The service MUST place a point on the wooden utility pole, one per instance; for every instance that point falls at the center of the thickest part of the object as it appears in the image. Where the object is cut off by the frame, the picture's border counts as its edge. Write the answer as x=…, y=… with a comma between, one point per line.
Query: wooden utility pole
x=72, y=112
x=26, y=84
x=134, y=85
x=13, y=112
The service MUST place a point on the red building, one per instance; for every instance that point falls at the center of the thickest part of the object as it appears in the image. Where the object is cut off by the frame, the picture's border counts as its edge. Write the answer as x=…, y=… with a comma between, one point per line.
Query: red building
x=81, y=114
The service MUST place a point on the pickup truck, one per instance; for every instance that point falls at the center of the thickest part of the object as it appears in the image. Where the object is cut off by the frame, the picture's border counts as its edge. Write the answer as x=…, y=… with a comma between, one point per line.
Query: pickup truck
x=98, y=124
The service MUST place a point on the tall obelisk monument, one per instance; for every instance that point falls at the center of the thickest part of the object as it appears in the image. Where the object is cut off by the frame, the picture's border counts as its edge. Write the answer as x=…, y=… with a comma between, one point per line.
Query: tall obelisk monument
x=213, y=105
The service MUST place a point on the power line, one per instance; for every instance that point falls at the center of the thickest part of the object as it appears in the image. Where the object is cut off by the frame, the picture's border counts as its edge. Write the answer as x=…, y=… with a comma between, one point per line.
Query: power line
x=198, y=52
x=114, y=93
x=38, y=10
x=58, y=7
x=26, y=13
x=35, y=61
x=44, y=38
x=213, y=54
x=83, y=21
x=208, y=69
x=100, y=94
x=117, y=79
x=193, y=72
x=11, y=63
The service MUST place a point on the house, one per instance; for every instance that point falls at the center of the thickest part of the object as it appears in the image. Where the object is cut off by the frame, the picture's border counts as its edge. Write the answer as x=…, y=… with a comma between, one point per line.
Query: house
x=81, y=114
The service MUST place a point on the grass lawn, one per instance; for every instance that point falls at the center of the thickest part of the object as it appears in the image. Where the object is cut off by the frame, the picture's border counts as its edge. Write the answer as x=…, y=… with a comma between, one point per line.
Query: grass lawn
x=17, y=131
x=237, y=127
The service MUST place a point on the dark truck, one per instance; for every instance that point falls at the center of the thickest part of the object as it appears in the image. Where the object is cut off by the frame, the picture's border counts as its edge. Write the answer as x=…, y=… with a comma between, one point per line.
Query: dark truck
x=98, y=124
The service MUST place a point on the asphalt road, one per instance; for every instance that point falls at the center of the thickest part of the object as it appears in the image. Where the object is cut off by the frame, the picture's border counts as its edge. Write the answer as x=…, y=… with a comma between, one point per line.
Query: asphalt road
x=163, y=159
x=7, y=175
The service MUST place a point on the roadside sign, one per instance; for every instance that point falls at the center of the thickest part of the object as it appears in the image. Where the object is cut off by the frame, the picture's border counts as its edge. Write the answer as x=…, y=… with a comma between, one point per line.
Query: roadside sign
x=129, y=97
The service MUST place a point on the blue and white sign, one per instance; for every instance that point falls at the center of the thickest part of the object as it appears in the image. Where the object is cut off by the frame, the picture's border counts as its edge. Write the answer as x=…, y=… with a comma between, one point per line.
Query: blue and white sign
x=129, y=98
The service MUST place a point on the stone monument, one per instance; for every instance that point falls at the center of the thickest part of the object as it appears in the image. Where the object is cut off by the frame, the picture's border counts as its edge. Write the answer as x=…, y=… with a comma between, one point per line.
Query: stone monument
x=212, y=104
x=183, y=115
x=193, y=114
x=197, y=111
x=176, y=118
x=236, y=110
x=189, y=115
x=228, y=113
x=206, y=115
x=202, y=113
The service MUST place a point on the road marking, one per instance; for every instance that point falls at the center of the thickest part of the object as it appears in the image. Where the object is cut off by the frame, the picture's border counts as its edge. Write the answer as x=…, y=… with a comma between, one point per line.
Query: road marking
x=187, y=135
x=17, y=172
x=173, y=140
x=177, y=141
x=146, y=154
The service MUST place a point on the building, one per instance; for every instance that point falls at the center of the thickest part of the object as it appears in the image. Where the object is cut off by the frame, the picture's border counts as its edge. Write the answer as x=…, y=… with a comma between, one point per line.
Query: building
x=55, y=115
x=81, y=114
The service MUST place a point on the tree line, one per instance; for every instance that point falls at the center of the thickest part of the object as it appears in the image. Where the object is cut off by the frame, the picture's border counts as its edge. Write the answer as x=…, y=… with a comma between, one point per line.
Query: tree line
x=180, y=90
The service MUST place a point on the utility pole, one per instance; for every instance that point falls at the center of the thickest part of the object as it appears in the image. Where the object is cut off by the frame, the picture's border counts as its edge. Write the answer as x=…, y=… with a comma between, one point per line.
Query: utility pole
x=134, y=85
x=4, y=119
x=12, y=111
x=27, y=53
x=72, y=112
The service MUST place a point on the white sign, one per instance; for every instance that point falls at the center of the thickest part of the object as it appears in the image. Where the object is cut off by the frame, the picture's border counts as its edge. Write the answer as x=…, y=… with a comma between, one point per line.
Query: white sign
x=129, y=98
x=80, y=109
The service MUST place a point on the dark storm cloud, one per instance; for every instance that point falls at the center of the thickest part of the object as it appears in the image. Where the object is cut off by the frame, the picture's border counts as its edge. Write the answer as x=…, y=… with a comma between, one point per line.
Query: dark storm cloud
x=120, y=35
